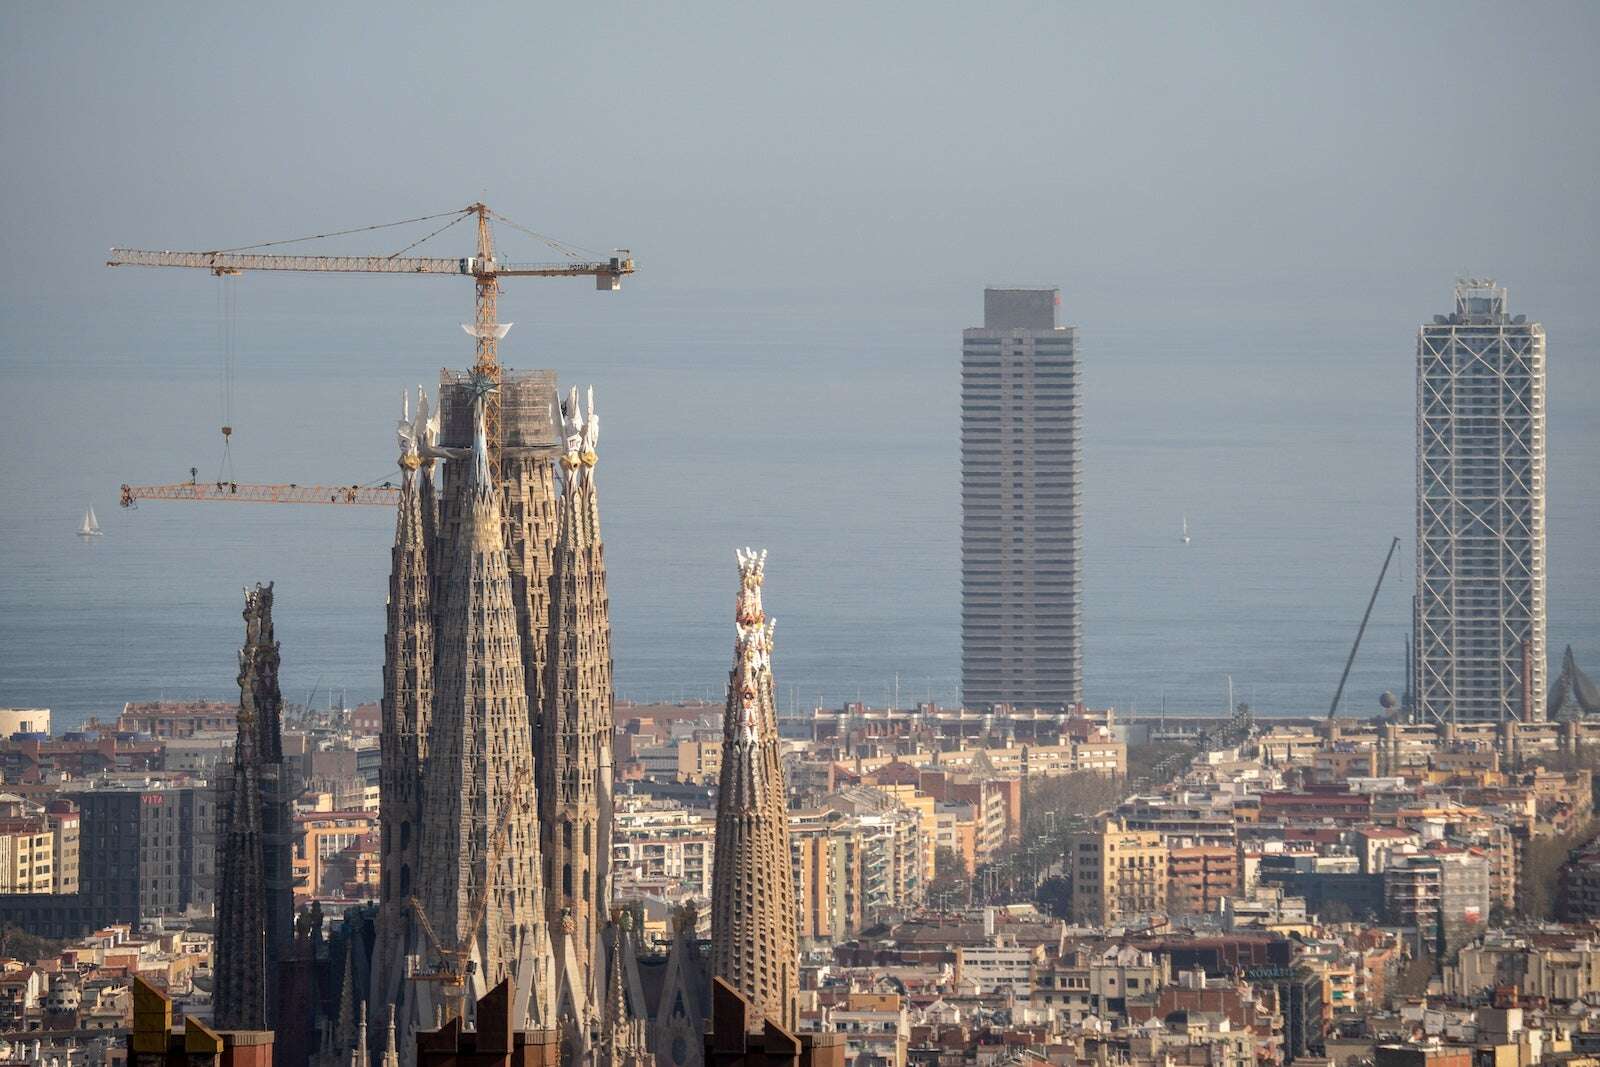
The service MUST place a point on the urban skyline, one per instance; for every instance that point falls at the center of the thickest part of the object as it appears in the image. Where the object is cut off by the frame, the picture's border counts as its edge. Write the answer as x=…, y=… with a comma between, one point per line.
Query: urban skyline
x=1044, y=770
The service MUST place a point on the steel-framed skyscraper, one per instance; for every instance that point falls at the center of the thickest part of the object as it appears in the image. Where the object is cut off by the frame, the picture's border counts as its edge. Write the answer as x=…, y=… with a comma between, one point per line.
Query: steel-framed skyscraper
x=1021, y=520
x=1479, y=625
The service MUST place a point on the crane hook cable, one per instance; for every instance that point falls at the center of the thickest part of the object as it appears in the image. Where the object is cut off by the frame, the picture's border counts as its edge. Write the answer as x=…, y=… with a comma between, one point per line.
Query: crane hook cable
x=342, y=233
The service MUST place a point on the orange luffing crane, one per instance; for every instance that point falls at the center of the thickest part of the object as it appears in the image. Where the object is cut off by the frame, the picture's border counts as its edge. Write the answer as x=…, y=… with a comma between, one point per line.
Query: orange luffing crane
x=484, y=268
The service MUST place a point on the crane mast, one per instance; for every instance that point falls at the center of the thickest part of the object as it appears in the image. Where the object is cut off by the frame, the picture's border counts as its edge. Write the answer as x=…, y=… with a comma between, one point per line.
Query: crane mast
x=487, y=327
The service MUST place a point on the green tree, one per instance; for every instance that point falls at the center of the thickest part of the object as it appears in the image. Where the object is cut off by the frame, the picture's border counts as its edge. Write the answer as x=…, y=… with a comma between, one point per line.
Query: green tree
x=1539, y=880
x=950, y=884
x=1055, y=894
x=1158, y=764
x=1414, y=974
x=1055, y=805
x=17, y=943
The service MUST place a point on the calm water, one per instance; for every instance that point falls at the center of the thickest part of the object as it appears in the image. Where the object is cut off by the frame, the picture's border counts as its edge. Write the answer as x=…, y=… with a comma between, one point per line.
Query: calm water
x=820, y=425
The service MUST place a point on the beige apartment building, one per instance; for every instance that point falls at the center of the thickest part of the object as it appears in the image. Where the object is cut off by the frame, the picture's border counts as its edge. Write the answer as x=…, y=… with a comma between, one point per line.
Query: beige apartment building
x=38, y=846
x=27, y=854
x=1118, y=875
x=828, y=910
x=62, y=816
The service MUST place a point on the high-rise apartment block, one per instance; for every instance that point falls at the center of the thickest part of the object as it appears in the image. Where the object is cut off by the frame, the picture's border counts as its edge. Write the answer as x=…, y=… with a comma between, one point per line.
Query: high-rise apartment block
x=1480, y=602
x=1021, y=522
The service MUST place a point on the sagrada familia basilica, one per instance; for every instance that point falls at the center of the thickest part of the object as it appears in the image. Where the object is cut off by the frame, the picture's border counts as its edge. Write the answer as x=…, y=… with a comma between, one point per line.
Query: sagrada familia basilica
x=497, y=779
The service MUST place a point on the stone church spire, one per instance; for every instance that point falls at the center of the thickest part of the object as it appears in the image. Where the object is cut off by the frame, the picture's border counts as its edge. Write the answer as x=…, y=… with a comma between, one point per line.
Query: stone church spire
x=254, y=910
x=575, y=758
x=407, y=703
x=752, y=895
x=624, y=1036
x=480, y=869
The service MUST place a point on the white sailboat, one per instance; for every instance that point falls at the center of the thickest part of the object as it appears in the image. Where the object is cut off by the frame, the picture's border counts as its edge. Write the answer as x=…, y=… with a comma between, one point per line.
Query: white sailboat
x=1186, y=529
x=91, y=525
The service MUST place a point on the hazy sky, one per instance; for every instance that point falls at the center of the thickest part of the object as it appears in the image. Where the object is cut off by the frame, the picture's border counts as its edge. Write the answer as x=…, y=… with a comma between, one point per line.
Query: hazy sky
x=825, y=145
x=1248, y=207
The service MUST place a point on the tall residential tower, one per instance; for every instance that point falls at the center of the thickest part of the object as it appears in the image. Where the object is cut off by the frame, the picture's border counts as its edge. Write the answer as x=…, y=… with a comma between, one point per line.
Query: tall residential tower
x=1480, y=601
x=1021, y=519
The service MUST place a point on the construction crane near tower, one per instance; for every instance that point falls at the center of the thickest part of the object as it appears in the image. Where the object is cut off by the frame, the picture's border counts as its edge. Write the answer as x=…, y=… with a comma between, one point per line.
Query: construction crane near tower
x=255, y=493
x=1362, y=629
x=455, y=966
x=483, y=267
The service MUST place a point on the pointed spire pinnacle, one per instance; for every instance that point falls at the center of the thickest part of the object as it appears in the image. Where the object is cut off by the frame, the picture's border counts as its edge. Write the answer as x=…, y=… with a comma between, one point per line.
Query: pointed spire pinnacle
x=359, y=1055
x=752, y=678
x=412, y=433
x=345, y=1034
x=391, y=1047
x=581, y=434
x=752, y=899
x=616, y=1006
x=624, y=1041
x=482, y=477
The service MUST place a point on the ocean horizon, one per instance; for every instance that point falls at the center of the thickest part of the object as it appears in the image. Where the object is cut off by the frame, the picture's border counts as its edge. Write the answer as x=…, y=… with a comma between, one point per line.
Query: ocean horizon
x=822, y=425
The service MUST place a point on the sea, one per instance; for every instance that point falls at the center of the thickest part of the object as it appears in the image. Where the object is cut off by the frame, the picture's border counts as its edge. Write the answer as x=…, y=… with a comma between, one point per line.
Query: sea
x=821, y=424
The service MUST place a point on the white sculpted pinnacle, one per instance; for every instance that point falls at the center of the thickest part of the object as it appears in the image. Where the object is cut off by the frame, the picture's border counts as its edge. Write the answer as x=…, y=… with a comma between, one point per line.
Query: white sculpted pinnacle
x=582, y=434
x=752, y=628
x=419, y=436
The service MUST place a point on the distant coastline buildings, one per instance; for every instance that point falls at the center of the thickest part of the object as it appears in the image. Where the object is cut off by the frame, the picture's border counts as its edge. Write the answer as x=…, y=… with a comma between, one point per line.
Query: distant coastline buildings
x=1021, y=520
x=1479, y=626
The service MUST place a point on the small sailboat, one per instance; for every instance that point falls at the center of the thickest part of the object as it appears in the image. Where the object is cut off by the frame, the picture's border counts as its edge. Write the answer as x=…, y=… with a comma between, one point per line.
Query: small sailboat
x=91, y=525
x=1186, y=529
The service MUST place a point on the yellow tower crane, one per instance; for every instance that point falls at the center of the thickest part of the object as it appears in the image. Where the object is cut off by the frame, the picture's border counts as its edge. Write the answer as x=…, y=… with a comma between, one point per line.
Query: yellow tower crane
x=484, y=268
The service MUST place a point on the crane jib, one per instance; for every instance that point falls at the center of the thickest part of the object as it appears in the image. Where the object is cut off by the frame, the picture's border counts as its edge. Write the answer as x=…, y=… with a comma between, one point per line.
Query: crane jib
x=472, y=266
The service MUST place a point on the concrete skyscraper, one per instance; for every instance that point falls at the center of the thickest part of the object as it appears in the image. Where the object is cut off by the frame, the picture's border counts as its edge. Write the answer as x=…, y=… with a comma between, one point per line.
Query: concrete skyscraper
x=753, y=937
x=1021, y=519
x=1479, y=626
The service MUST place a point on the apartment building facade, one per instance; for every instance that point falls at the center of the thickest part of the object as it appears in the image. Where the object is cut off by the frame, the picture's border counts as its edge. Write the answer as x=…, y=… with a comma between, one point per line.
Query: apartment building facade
x=1118, y=875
